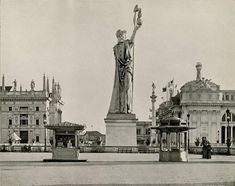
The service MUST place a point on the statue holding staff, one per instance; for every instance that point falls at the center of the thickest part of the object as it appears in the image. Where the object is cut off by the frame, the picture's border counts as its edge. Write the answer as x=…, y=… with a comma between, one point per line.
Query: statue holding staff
x=14, y=85
x=122, y=96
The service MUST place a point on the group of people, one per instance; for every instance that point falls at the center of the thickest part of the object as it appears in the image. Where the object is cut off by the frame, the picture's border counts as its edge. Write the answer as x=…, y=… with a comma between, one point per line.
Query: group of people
x=206, y=148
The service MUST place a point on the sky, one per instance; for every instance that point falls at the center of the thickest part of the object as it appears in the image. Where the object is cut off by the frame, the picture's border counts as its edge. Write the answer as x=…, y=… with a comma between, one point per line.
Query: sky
x=72, y=41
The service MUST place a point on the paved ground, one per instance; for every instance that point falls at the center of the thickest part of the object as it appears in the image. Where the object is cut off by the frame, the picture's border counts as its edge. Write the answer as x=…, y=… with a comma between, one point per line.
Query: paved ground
x=108, y=168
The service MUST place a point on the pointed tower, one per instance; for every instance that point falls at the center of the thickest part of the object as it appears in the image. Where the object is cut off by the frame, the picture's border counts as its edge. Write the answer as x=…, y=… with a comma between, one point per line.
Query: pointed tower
x=3, y=83
x=53, y=88
x=153, y=135
x=44, y=83
x=48, y=86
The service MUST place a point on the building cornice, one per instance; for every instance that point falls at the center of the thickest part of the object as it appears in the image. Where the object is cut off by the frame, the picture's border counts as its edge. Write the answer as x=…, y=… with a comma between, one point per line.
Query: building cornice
x=208, y=104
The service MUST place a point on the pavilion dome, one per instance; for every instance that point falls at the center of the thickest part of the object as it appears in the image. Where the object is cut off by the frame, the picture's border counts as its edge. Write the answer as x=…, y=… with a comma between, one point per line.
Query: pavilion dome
x=200, y=83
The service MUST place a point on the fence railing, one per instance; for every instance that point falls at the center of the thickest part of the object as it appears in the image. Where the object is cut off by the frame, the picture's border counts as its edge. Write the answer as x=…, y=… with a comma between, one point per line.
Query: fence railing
x=222, y=149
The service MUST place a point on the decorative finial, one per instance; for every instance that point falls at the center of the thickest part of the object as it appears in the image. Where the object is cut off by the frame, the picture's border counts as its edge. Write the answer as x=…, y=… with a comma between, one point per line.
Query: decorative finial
x=32, y=85
x=14, y=85
x=199, y=68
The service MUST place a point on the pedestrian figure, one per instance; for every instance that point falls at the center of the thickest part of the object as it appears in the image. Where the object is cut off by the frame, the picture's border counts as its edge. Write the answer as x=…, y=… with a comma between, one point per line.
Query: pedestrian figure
x=209, y=149
x=204, y=147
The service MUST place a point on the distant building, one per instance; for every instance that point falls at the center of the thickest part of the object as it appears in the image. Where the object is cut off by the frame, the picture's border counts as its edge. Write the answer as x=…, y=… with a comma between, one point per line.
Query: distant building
x=143, y=132
x=206, y=105
x=92, y=138
x=26, y=112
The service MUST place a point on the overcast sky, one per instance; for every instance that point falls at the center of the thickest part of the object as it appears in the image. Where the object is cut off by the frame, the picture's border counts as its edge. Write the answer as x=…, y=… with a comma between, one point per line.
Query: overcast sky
x=73, y=41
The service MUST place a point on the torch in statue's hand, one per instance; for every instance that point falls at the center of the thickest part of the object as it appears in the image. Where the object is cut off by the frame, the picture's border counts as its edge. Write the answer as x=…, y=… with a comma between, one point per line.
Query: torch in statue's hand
x=137, y=21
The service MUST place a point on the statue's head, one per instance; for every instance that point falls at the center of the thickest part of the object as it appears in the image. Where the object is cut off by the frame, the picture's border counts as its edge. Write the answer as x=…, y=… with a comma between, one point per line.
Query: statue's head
x=121, y=35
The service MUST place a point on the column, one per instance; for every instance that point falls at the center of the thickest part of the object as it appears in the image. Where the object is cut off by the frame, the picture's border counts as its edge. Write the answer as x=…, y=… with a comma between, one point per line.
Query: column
x=225, y=130
x=76, y=138
x=198, y=124
x=185, y=141
x=54, y=139
x=177, y=140
x=168, y=139
x=218, y=125
x=231, y=129
x=209, y=113
x=160, y=135
x=179, y=137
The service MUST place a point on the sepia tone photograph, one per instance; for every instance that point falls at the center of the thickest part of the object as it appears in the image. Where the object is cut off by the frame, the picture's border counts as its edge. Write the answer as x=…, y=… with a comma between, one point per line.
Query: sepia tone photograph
x=117, y=92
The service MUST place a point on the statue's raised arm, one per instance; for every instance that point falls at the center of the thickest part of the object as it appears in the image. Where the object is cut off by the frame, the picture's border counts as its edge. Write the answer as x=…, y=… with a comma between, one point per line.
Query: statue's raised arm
x=137, y=22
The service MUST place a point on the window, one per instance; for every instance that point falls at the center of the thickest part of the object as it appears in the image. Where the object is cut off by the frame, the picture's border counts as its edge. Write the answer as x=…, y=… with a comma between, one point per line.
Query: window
x=37, y=108
x=37, y=138
x=23, y=108
x=224, y=118
x=10, y=121
x=233, y=117
x=10, y=108
x=23, y=119
x=231, y=97
x=37, y=121
x=227, y=97
x=138, y=131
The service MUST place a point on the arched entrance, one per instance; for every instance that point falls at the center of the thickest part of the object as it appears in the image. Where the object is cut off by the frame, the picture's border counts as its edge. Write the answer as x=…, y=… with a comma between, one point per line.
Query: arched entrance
x=227, y=130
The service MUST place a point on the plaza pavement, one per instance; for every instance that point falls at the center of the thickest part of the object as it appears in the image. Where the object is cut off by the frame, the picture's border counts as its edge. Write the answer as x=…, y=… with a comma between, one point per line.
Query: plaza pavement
x=118, y=169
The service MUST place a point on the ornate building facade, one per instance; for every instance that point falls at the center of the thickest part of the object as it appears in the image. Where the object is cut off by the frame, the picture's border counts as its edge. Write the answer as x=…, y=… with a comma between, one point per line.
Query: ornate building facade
x=204, y=105
x=26, y=112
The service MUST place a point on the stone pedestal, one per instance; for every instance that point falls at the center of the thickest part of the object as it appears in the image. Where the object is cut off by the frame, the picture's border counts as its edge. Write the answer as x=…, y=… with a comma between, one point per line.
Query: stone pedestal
x=121, y=130
x=65, y=153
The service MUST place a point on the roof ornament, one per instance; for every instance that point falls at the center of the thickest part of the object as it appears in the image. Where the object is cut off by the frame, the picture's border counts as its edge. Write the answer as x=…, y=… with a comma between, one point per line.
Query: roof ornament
x=32, y=84
x=199, y=68
x=14, y=85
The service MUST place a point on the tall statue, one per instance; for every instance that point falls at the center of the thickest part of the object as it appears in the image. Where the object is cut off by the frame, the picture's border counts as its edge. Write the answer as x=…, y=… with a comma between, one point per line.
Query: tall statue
x=14, y=85
x=32, y=85
x=122, y=96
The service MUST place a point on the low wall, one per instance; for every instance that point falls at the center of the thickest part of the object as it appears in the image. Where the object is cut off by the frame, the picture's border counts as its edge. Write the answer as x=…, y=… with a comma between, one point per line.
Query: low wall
x=23, y=148
x=222, y=150
x=119, y=149
x=111, y=149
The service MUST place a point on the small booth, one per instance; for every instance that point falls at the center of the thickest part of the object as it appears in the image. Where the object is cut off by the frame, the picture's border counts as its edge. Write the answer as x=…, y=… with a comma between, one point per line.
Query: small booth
x=173, y=133
x=65, y=143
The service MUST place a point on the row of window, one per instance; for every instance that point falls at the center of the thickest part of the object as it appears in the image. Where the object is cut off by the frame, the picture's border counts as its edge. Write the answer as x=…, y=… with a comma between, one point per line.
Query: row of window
x=228, y=97
x=23, y=122
x=23, y=108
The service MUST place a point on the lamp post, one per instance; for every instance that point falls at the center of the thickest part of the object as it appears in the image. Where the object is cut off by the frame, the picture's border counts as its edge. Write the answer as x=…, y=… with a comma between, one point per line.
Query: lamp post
x=228, y=132
x=45, y=134
x=188, y=116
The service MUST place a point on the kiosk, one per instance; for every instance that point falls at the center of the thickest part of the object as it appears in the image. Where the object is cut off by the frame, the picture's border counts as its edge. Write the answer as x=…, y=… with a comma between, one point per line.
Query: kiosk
x=173, y=139
x=65, y=143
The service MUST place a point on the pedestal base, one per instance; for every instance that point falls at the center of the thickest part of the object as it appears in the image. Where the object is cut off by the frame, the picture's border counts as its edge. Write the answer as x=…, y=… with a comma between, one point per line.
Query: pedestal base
x=65, y=155
x=173, y=156
x=121, y=130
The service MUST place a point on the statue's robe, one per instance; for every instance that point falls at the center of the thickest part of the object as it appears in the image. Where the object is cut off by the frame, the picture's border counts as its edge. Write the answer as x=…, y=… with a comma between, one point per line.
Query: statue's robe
x=121, y=101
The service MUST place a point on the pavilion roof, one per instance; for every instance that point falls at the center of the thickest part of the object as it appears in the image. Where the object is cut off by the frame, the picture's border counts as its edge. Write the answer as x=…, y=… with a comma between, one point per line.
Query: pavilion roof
x=65, y=125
